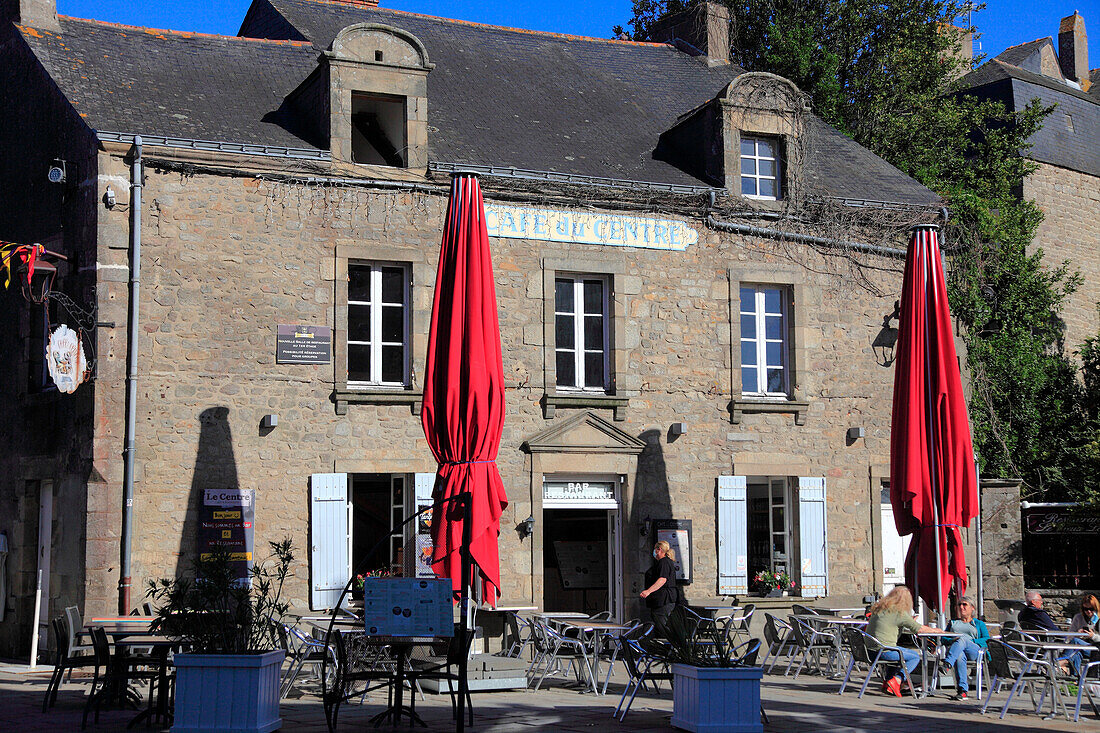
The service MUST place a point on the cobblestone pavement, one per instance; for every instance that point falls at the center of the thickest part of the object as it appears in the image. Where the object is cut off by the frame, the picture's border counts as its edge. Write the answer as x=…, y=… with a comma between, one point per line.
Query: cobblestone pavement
x=808, y=704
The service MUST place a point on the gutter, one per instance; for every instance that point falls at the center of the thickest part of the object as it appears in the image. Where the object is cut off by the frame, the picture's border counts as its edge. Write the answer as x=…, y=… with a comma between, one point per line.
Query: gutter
x=728, y=226
x=136, y=173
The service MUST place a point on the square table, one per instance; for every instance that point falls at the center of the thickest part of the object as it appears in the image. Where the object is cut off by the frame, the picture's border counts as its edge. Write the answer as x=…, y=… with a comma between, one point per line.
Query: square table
x=597, y=629
x=1051, y=649
x=924, y=681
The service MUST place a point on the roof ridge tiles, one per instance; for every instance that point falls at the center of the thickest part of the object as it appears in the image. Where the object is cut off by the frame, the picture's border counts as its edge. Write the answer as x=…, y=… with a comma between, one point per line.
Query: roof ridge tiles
x=550, y=34
x=165, y=32
x=1028, y=43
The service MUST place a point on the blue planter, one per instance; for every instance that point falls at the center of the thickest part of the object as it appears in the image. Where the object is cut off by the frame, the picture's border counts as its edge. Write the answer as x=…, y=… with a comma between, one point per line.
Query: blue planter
x=716, y=699
x=227, y=693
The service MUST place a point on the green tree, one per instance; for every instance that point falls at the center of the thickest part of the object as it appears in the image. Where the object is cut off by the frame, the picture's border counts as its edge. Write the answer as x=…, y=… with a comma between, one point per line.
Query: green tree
x=885, y=74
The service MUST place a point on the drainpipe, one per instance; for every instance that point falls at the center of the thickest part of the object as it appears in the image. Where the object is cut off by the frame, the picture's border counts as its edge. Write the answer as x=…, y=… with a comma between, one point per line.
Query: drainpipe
x=978, y=549
x=131, y=377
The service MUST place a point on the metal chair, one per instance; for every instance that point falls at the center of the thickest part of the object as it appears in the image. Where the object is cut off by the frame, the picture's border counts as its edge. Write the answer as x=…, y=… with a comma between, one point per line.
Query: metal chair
x=738, y=626
x=301, y=650
x=559, y=648
x=810, y=642
x=777, y=635
x=646, y=660
x=1009, y=663
x=65, y=662
x=517, y=636
x=866, y=649
x=445, y=669
x=1084, y=682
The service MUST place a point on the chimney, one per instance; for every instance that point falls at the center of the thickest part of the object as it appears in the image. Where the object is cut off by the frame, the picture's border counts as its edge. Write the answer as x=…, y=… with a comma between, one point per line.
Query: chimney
x=701, y=30
x=1073, y=49
x=960, y=47
x=33, y=13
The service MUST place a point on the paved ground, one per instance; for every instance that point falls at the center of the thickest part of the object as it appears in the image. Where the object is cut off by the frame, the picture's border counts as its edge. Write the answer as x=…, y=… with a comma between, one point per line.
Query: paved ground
x=808, y=704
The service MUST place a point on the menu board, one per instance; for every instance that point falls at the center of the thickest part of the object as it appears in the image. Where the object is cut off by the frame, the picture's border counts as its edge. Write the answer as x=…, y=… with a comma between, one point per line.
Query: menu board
x=583, y=565
x=677, y=533
x=226, y=526
x=407, y=607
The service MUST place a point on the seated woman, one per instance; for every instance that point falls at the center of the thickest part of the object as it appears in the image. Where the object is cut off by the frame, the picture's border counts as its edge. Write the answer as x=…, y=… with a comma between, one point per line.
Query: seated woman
x=1086, y=620
x=888, y=617
x=967, y=647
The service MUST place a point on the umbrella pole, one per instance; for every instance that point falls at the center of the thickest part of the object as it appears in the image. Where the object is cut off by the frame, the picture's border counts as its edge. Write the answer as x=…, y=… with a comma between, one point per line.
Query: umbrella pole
x=463, y=626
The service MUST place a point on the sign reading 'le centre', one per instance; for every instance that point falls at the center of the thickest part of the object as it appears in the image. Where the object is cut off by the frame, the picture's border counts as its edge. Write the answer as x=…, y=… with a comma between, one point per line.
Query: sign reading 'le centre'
x=226, y=526
x=519, y=222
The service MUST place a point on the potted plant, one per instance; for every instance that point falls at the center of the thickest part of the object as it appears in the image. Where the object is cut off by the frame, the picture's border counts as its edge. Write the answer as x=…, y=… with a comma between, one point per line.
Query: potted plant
x=712, y=690
x=228, y=679
x=773, y=584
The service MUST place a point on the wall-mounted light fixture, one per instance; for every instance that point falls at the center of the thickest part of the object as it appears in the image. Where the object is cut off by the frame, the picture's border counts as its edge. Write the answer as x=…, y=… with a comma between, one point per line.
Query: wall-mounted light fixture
x=678, y=428
x=527, y=527
x=109, y=199
x=887, y=338
x=645, y=527
x=269, y=421
x=855, y=434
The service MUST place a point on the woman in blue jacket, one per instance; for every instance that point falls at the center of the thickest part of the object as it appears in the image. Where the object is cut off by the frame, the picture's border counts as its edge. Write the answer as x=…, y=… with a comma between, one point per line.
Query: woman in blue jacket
x=972, y=643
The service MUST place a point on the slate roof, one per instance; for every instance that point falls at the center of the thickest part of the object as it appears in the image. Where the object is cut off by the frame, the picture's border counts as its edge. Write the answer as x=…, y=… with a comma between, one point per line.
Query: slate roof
x=1016, y=55
x=496, y=96
x=997, y=70
x=1094, y=80
x=190, y=85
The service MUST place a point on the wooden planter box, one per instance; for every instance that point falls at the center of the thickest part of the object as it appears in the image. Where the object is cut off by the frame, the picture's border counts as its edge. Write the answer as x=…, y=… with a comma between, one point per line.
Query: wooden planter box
x=716, y=699
x=228, y=693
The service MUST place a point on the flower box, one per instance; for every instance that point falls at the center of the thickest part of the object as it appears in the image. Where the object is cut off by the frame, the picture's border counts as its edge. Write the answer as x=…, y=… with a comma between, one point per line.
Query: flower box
x=716, y=699
x=227, y=693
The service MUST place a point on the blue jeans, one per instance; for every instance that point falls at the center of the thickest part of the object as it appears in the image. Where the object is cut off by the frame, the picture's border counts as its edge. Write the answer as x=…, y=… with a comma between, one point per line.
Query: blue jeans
x=961, y=651
x=911, y=658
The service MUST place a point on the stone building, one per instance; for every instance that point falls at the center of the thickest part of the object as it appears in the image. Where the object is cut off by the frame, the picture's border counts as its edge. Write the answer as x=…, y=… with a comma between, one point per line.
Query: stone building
x=695, y=276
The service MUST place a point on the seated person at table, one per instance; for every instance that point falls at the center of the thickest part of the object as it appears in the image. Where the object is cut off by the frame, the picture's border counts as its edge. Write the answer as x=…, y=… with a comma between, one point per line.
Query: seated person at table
x=1087, y=620
x=969, y=646
x=888, y=617
x=1033, y=617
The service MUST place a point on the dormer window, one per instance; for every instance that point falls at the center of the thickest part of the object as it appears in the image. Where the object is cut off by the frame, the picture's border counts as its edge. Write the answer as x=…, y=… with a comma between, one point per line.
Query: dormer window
x=378, y=133
x=760, y=168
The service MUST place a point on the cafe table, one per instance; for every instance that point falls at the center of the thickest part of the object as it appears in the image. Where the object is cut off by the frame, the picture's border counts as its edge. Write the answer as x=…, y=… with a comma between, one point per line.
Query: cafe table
x=1052, y=649
x=938, y=637
x=595, y=631
x=820, y=623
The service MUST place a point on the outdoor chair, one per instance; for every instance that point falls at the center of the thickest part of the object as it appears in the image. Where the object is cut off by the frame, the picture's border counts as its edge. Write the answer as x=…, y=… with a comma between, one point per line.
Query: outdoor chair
x=809, y=643
x=737, y=627
x=646, y=660
x=517, y=636
x=866, y=649
x=1009, y=663
x=79, y=643
x=113, y=684
x=65, y=661
x=445, y=669
x=301, y=650
x=601, y=616
x=745, y=654
x=635, y=630
x=1085, y=685
x=799, y=610
x=776, y=635
x=560, y=648
x=355, y=664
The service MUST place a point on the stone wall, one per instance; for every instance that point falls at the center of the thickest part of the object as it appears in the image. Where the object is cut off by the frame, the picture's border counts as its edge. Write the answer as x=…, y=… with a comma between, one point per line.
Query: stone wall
x=226, y=259
x=1070, y=201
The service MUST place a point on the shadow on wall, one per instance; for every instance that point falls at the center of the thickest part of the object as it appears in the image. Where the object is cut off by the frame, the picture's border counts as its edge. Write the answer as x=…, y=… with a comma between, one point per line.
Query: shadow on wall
x=215, y=468
x=651, y=502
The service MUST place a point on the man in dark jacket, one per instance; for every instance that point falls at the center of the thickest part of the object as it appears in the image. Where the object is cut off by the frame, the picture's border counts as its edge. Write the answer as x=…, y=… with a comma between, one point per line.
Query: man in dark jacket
x=1034, y=617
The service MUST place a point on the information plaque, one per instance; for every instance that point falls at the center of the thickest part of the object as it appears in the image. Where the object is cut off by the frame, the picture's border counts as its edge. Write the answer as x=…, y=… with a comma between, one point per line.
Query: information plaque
x=303, y=344
x=408, y=607
x=226, y=526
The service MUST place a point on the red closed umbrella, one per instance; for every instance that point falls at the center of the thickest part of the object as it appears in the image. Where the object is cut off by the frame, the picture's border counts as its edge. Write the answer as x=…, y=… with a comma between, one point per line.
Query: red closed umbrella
x=463, y=412
x=933, y=489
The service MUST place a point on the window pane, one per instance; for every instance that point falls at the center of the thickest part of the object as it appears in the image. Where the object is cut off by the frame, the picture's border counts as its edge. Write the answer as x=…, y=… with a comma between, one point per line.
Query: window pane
x=567, y=370
x=748, y=300
x=393, y=284
x=358, y=283
x=765, y=148
x=593, y=333
x=767, y=168
x=774, y=353
x=563, y=332
x=593, y=370
x=358, y=363
x=748, y=380
x=773, y=327
x=772, y=301
x=775, y=380
x=779, y=542
x=748, y=146
x=393, y=364
x=748, y=186
x=748, y=353
x=593, y=296
x=563, y=296
x=767, y=187
x=359, y=323
x=393, y=324
x=748, y=326
x=748, y=166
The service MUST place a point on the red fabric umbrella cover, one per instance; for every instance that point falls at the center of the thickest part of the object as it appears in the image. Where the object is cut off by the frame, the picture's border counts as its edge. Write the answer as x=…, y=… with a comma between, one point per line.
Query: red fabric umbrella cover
x=931, y=456
x=463, y=409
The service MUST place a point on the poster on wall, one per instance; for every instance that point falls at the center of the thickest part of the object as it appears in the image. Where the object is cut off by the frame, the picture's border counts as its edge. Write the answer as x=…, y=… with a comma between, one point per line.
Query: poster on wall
x=226, y=525
x=677, y=533
x=408, y=607
x=422, y=561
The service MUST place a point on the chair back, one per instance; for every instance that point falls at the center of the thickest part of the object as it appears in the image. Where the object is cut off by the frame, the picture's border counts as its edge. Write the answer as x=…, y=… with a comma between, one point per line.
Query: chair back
x=746, y=617
x=601, y=616
x=456, y=649
x=61, y=638
x=146, y=609
x=801, y=610
x=283, y=634
x=631, y=654
x=101, y=647
x=745, y=654
x=999, y=659
x=75, y=623
x=770, y=634
x=857, y=645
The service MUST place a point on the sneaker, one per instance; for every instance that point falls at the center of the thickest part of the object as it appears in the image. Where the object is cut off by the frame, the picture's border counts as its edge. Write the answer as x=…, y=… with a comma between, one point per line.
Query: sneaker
x=892, y=687
x=959, y=696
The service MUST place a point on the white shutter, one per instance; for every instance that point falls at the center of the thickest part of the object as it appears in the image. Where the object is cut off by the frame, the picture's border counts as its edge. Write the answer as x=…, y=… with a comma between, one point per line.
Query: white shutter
x=733, y=546
x=423, y=485
x=813, y=536
x=329, y=557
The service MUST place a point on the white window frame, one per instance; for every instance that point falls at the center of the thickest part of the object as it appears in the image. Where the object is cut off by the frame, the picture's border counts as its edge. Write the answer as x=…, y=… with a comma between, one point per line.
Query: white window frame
x=758, y=309
x=756, y=157
x=376, y=343
x=579, y=349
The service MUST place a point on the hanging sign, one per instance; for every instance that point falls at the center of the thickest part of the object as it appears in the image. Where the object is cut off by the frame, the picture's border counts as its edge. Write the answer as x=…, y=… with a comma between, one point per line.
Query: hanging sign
x=226, y=526
x=65, y=358
x=615, y=230
x=303, y=344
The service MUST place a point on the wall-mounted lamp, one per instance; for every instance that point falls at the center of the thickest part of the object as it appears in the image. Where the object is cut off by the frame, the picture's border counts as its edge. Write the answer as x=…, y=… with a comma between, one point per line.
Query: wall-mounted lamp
x=678, y=428
x=109, y=199
x=645, y=527
x=269, y=421
x=855, y=434
x=527, y=527
x=887, y=338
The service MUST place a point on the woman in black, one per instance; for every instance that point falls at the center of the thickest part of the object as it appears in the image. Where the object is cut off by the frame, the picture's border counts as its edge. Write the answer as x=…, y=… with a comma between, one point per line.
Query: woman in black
x=660, y=580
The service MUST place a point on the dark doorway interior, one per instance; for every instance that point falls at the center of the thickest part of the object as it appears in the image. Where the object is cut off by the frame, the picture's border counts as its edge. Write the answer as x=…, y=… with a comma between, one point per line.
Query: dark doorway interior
x=575, y=560
x=372, y=499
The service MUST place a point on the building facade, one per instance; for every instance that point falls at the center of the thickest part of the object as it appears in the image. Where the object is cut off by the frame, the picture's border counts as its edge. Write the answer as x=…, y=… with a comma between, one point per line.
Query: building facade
x=695, y=278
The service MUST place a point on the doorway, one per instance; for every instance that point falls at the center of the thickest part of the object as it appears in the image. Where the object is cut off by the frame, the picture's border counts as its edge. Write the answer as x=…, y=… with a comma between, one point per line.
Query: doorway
x=377, y=511
x=580, y=560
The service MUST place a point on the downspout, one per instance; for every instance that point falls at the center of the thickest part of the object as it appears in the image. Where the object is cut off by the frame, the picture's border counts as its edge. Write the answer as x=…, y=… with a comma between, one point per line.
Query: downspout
x=728, y=226
x=131, y=377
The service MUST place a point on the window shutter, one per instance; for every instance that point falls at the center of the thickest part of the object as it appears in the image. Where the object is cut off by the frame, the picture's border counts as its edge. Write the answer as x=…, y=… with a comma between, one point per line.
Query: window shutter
x=329, y=562
x=813, y=536
x=733, y=573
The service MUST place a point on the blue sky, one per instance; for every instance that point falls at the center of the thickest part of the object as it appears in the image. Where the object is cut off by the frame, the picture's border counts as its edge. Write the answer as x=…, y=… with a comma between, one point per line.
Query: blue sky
x=1003, y=23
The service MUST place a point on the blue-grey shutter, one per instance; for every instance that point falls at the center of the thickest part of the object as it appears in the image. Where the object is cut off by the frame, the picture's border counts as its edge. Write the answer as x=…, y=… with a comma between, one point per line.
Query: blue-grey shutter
x=329, y=563
x=733, y=546
x=813, y=533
